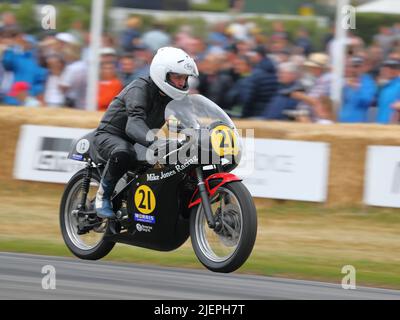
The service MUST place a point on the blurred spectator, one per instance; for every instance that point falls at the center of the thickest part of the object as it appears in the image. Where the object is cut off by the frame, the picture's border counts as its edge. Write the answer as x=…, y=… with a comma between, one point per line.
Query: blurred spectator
x=73, y=81
x=358, y=92
x=354, y=43
x=389, y=91
x=384, y=39
x=217, y=39
x=127, y=69
x=396, y=33
x=243, y=47
x=298, y=60
x=396, y=108
x=213, y=81
x=183, y=36
x=8, y=22
x=318, y=82
x=78, y=31
x=20, y=59
x=279, y=53
x=20, y=92
x=260, y=38
x=85, y=51
x=109, y=85
x=238, y=29
x=156, y=38
x=130, y=37
x=5, y=82
x=278, y=31
x=65, y=40
x=234, y=99
x=108, y=41
x=374, y=58
x=143, y=56
x=47, y=46
x=196, y=48
x=53, y=95
x=108, y=54
x=260, y=87
x=326, y=114
x=303, y=41
x=282, y=102
x=6, y=77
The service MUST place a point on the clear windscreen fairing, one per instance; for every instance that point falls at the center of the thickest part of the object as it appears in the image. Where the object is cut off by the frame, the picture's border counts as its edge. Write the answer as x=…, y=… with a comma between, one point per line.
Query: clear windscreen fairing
x=204, y=123
x=196, y=112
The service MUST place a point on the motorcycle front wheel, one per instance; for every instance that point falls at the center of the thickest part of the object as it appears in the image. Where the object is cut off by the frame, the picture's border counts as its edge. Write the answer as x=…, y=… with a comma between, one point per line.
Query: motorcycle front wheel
x=227, y=247
x=90, y=245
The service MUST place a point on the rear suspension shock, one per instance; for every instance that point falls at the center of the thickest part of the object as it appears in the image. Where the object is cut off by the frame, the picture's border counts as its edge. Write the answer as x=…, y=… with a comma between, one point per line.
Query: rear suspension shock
x=85, y=185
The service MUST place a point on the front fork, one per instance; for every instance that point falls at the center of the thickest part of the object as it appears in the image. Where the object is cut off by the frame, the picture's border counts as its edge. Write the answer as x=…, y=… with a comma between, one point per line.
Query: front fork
x=205, y=199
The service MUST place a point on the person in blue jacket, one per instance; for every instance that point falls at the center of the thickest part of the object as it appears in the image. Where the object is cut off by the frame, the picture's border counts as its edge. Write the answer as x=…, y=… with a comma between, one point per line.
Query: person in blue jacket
x=389, y=92
x=358, y=93
x=282, y=103
x=20, y=59
x=259, y=87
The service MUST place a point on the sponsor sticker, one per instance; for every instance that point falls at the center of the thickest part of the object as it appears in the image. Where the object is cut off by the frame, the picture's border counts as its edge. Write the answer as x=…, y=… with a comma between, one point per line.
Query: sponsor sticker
x=77, y=157
x=144, y=218
x=143, y=228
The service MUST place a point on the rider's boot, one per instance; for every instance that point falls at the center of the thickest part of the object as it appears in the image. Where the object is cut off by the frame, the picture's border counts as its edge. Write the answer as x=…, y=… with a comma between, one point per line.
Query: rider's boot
x=103, y=198
x=115, y=168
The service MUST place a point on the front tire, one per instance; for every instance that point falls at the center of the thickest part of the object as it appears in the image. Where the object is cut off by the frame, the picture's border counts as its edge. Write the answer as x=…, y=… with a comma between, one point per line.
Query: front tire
x=227, y=249
x=89, y=246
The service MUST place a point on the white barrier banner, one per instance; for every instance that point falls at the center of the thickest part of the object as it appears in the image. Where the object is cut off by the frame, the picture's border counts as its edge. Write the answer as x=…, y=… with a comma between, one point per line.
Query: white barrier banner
x=287, y=169
x=42, y=153
x=382, y=176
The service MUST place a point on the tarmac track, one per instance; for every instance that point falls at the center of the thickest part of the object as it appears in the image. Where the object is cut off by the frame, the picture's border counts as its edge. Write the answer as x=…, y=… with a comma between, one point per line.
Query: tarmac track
x=21, y=278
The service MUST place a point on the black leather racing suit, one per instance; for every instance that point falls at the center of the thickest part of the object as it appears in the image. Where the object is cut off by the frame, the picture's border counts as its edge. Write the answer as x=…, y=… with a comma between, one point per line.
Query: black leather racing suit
x=137, y=109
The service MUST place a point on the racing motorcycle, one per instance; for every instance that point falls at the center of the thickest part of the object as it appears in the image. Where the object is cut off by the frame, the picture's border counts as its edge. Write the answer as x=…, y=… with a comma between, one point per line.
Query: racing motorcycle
x=181, y=189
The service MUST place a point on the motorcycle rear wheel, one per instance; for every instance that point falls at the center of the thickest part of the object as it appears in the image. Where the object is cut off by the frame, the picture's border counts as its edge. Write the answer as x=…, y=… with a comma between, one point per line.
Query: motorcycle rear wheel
x=225, y=250
x=89, y=246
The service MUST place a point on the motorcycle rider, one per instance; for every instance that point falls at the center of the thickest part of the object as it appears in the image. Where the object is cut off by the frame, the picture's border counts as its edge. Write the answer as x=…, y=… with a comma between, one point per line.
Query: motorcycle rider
x=137, y=109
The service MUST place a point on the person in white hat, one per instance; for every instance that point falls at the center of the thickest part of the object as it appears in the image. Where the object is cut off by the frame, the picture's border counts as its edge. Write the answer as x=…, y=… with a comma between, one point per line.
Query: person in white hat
x=318, y=81
x=68, y=38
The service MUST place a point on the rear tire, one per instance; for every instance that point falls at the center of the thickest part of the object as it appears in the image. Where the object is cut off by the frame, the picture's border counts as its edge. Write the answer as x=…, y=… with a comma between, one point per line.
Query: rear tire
x=68, y=223
x=210, y=247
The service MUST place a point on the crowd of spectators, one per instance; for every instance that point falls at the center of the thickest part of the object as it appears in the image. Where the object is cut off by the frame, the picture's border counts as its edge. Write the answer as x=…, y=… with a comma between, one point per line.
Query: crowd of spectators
x=247, y=73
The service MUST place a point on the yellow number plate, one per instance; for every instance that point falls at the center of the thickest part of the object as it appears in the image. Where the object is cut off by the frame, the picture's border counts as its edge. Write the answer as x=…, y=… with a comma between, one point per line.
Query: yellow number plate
x=224, y=141
x=145, y=200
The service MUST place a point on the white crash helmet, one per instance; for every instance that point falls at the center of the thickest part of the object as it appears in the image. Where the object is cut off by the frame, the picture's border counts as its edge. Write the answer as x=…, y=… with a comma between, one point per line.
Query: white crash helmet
x=172, y=60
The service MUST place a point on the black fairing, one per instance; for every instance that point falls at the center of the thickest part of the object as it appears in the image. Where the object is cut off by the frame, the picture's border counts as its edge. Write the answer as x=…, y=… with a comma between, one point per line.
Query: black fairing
x=168, y=225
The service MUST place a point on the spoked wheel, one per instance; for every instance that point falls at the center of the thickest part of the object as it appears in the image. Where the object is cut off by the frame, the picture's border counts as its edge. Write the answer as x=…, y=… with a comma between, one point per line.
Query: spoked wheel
x=83, y=234
x=227, y=247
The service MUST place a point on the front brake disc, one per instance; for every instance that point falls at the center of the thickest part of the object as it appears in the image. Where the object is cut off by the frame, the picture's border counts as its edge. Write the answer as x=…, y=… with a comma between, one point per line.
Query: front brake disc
x=231, y=225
